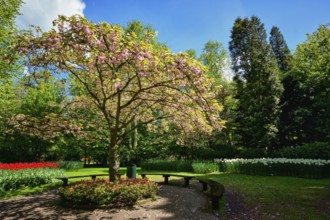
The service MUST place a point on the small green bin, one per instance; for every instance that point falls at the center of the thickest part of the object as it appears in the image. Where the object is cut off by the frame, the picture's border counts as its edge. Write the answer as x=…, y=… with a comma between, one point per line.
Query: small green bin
x=131, y=171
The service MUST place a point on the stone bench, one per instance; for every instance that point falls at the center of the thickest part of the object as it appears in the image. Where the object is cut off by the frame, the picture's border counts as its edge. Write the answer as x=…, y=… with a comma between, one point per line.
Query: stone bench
x=213, y=189
x=92, y=176
x=166, y=177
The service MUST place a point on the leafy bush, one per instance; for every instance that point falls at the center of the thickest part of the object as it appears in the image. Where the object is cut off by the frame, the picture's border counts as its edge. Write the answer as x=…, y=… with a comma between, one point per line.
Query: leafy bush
x=250, y=153
x=277, y=167
x=126, y=192
x=205, y=167
x=180, y=165
x=317, y=150
x=168, y=165
x=71, y=165
x=15, y=179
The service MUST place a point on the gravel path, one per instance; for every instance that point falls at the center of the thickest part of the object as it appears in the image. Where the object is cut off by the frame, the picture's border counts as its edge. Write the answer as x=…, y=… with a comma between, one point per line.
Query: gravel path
x=172, y=202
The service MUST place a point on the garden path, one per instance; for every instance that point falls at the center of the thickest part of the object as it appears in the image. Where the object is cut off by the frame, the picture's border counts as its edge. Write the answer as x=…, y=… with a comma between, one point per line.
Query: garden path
x=172, y=202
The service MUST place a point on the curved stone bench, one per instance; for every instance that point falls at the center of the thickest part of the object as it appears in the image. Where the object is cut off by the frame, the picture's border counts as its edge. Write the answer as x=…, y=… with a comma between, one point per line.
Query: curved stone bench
x=92, y=176
x=167, y=176
x=212, y=188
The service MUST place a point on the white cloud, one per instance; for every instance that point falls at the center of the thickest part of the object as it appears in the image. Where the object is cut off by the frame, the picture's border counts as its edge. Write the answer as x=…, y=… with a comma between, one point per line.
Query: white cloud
x=42, y=12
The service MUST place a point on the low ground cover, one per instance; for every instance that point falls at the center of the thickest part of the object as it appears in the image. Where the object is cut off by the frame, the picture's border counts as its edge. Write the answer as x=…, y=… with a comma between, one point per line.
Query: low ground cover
x=125, y=192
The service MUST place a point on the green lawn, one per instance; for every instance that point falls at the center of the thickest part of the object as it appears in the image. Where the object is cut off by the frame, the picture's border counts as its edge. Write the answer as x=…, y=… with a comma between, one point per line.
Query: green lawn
x=290, y=198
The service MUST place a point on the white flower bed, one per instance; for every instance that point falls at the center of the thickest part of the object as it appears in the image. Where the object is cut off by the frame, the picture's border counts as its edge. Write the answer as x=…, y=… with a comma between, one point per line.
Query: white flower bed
x=305, y=168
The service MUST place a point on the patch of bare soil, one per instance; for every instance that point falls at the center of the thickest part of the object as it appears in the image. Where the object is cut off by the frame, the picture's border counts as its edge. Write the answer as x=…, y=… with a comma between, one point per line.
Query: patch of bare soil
x=173, y=202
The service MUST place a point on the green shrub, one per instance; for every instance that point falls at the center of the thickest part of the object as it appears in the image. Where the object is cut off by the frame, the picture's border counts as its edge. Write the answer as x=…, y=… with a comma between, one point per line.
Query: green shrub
x=250, y=153
x=71, y=165
x=101, y=192
x=180, y=166
x=317, y=150
x=205, y=167
x=168, y=165
x=15, y=179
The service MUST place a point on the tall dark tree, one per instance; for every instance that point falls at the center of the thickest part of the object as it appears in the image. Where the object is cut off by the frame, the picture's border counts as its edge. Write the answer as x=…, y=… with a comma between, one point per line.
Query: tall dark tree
x=291, y=94
x=281, y=50
x=258, y=87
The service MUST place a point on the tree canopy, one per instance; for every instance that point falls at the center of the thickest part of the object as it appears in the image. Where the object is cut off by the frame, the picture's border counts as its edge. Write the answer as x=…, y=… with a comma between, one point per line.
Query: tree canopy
x=125, y=78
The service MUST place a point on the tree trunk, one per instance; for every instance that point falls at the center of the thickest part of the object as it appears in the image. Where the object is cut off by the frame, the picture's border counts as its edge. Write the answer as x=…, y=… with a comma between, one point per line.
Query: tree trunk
x=114, y=159
x=129, y=137
x=135, y=136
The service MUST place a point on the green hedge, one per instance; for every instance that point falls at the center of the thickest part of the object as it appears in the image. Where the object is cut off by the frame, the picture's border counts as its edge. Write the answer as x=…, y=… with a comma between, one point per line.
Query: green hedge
x=180, y=165
x=318, y=150
x=71, y=165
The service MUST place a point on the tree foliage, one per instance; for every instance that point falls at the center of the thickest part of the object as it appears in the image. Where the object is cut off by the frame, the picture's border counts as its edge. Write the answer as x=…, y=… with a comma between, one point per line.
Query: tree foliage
x=280, y=48
x=126, y=78
x=257, y=83
x=9, y=9
x=307, y=103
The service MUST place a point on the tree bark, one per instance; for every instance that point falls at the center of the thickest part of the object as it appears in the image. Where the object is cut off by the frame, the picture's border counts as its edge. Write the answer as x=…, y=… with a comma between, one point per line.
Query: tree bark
x=135, y=136
x=114, y=159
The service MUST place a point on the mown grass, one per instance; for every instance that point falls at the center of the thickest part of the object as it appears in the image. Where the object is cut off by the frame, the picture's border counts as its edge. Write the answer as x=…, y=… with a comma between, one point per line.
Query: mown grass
x=282, y=197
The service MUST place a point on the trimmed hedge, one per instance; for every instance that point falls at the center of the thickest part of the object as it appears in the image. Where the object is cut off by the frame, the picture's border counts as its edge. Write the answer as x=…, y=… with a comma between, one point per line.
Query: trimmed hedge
x=180, y=165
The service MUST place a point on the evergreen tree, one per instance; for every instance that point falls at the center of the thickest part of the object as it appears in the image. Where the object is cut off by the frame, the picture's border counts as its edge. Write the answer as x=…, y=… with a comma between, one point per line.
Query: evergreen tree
x=290, y=96
x=280, y=48
x=258, y=88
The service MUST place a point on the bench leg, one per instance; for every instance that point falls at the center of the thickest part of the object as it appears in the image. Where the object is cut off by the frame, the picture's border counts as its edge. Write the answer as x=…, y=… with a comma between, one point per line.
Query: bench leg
x=166, y=179
x=204, y=186
x=65, y=182
x=143, y=176
x=215, y=202
x=186, y=181
x=93, y=177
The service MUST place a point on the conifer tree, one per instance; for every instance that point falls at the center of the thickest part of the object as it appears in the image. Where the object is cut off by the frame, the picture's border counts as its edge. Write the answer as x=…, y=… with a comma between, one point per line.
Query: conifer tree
x=258, y=88
x=280, y=48
x=291, y=95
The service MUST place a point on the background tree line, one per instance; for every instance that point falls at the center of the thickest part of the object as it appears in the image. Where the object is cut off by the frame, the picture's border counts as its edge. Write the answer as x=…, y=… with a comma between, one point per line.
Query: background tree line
x=271, y=98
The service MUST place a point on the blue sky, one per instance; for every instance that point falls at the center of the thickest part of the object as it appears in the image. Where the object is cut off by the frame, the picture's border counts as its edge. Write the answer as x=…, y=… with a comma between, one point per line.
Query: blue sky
x=185, y=24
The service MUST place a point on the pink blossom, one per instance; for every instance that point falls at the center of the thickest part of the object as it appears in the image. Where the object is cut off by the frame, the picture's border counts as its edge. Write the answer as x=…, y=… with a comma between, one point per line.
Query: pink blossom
x=125, y=54
x=203, y=90
x=98, y=43
x=197, y=83
x=147, y=55
x=102, y=58
x=139, y=57
x=117, y=85
x=212, y=118
x=88, y=31
x=143, y=73
x=196, y=70
x=56, y=39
